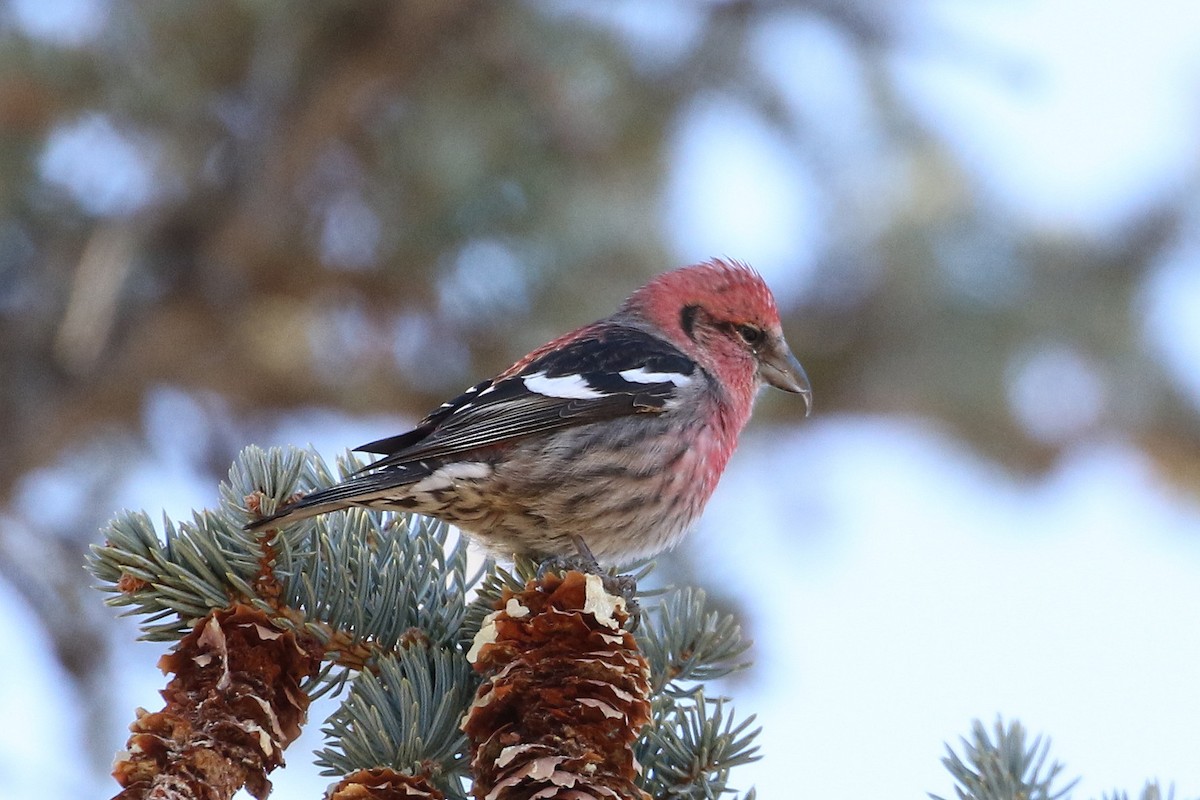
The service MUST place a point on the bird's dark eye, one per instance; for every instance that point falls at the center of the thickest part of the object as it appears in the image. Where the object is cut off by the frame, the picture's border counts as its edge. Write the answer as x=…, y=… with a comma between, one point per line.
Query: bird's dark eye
x=750, y=335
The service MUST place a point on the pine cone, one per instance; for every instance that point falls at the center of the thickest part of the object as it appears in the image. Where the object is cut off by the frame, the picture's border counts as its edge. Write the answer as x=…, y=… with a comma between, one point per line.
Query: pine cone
x=565, y=694
x=233, y=706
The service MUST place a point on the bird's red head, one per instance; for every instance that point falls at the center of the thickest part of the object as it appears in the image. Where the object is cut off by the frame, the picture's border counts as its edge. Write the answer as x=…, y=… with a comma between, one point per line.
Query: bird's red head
x=733, y=289
x=722, y=314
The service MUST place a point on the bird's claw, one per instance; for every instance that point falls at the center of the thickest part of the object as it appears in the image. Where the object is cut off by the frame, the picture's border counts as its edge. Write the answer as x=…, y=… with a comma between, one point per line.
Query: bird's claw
x=564, y=564
x=623, y=586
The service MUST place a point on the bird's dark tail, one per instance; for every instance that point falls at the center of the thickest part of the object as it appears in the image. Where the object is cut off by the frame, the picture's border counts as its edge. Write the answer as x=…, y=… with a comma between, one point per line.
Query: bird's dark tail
x=364, y=490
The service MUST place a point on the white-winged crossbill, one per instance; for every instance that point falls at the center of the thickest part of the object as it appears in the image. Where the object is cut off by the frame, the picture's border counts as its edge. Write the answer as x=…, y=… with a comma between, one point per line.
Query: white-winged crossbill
x=613, y=435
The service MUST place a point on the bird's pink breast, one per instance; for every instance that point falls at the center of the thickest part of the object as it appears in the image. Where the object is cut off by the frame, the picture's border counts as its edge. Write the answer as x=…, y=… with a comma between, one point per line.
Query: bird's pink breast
x=628, y=496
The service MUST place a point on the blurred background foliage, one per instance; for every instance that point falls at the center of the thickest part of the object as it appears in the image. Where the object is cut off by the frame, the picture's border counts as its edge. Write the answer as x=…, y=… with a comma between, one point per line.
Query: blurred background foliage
x=216, y=215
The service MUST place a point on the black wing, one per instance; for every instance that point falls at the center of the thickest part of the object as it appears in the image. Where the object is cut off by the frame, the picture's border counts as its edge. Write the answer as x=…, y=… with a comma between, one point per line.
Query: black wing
x=611, y=371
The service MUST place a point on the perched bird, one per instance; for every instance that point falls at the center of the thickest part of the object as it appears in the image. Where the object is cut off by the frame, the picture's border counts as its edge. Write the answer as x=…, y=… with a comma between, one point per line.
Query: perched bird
x=606, y=441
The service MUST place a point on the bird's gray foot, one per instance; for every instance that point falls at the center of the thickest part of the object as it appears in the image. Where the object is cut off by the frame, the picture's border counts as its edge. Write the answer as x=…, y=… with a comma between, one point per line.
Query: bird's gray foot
x=623, y=586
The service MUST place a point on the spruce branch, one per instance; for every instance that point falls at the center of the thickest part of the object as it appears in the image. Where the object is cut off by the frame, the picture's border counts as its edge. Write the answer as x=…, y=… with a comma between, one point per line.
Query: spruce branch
x=207, y=563
x=334, y=578
x=405, y=717
x=1151, y=791
x=197, y=567
x=686, y=643
x=353, y=582
x=1004, y=768
x=691, y=747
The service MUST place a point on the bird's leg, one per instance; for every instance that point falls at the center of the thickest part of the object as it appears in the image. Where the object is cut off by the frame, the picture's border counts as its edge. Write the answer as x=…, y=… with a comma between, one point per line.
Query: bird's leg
x=583, y=561
x=623, y=586
x=585, y=555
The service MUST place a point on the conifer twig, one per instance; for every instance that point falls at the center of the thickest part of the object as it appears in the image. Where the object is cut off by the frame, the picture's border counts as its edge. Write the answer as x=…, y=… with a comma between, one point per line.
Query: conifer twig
x=1004, y=768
